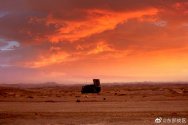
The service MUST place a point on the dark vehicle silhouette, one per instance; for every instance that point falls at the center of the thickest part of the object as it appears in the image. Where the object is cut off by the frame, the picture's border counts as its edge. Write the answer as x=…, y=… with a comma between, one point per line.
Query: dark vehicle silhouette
x=94, y=88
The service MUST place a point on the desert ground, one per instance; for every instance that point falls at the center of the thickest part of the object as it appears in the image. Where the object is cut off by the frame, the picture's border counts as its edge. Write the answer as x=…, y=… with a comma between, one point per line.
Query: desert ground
x=117, y=104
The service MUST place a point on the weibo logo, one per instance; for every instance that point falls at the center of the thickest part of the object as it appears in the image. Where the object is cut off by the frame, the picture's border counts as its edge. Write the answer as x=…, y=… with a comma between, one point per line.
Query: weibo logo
x=158, y=120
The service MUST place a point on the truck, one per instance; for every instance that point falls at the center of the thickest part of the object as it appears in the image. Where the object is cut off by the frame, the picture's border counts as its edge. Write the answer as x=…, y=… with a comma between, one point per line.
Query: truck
x=92, y=88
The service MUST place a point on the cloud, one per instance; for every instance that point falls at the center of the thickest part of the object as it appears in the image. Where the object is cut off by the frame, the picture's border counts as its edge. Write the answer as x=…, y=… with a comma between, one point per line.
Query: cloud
x=45, y=60
x=161, y=23
x=9, y=45
x=98, y=21
x=2, y=14
x=83, y=35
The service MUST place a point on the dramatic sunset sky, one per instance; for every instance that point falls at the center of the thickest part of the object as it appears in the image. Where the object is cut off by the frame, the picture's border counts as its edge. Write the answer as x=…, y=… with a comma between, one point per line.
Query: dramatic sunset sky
x=70, y=41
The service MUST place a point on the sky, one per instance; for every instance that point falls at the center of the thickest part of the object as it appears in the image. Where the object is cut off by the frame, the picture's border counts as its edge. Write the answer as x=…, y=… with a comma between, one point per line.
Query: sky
x=74, y=41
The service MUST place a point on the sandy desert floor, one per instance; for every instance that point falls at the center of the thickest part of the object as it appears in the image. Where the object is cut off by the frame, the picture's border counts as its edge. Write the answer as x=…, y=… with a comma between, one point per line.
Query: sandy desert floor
x=136, y=104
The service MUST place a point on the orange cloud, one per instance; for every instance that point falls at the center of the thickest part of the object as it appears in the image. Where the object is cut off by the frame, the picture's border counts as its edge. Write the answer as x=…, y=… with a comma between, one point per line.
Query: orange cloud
x=147, y=41
x=45, y=60
x=101, y=47
x=98, y=21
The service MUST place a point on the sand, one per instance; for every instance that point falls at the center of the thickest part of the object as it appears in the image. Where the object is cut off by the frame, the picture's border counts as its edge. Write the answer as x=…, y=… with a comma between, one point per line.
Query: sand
x=136, y=104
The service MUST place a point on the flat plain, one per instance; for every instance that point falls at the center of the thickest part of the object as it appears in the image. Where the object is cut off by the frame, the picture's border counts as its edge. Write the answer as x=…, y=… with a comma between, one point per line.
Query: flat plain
x=117, y=104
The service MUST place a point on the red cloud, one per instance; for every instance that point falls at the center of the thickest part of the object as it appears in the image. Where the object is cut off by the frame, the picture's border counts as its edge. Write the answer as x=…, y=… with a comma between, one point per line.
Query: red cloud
x=86, y=34
x=98, y=21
